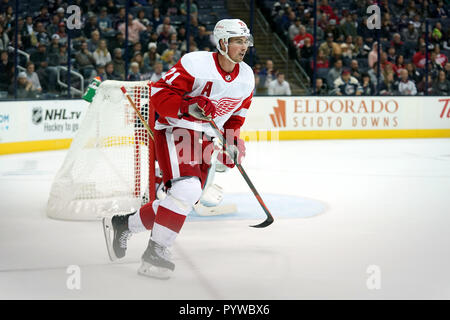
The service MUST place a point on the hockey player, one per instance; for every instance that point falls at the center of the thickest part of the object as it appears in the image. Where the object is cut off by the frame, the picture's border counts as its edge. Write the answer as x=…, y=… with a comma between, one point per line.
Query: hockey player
x=220, y=86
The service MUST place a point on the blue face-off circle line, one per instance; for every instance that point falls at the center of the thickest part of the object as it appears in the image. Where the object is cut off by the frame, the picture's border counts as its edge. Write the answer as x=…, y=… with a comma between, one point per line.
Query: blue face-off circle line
x=281, y=207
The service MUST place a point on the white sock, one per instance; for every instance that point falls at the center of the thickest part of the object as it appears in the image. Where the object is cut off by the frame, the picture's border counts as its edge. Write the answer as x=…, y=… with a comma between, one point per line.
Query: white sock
x=135, y=223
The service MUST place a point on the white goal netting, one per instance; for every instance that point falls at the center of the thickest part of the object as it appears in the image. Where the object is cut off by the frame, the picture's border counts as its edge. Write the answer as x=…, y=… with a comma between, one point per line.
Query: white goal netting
x=106, y=170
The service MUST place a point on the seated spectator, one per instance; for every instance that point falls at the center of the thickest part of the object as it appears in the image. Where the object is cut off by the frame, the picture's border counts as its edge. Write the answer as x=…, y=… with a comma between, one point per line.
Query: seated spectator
x=169, y=27
x=53, y=48
x=203, y=38
x=41, y=34
x=413, y=73
x=168, y=60
x=5, y=70
x=91, y=25
x=334, y=73
x=354, y=70
x=279, y=7
x=164, y=36
x=387, y=28
x=346, y=85
x=420, y=57
x=119, y=63
x=85, y=61
x=110, y=73
x=101, y=54
x=268, y=73
x=170, y=8
x=134, y=27
x=322, y=61
x=294, y=29
x=406, y=87
x=104, y=22
x=368, y=89
x=347, y=53
x=279, y=86
x=441, y=58
x=373, y=73
x=151, y=56
x=433, y=66
x=193, y=8
x=441, y=86
x=100, y=72
x=52, y=28
x=174, y=46
x=437, y=35
x=43, y=17
x=384, y=62
x=117, y=42
x=24, y=87
x=94, y=41
x=334, y=30
x=422, y=87
x=388, y=86
x=156, y=19
x=111, y=7
x=143, y=69
x=391, y=55
x=33, y=78
x=321, y=87
x=41, y=61
x=157, y=72
x=141, y=16
x=307, y=51
x=134, y=74
x=120, y=19
x=440, y=11
x=330, y=48
x=62, y=32
x=410, y=34
x=62, y=55
x=397, y=8
x=361, y=49
x=299, y=39
x=348, y=28
x=399, y=65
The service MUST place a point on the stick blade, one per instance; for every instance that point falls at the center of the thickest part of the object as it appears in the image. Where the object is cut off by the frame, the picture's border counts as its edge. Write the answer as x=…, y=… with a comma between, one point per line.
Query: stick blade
x=264, y=224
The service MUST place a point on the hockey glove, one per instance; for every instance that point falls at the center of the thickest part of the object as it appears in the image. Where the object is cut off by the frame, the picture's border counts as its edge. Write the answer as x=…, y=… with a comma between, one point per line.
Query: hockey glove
x=234, y=153
x=189, y=105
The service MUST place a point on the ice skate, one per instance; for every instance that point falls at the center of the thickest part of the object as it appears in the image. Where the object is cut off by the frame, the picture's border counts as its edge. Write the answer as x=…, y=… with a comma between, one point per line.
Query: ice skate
x=116, y=235
x=155, y=262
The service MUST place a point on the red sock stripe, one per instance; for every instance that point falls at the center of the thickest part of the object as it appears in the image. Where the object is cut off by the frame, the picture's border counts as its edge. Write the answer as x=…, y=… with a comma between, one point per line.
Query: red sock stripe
x=147, y=216
x=169, y=219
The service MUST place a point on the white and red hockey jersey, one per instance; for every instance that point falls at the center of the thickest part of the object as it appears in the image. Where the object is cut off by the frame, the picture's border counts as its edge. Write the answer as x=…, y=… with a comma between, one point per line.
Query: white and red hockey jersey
x=199, y=73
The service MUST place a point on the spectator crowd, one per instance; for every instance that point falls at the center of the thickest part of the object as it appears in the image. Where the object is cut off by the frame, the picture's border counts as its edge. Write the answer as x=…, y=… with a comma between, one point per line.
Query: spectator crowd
x=157, y=38
x=347, y=60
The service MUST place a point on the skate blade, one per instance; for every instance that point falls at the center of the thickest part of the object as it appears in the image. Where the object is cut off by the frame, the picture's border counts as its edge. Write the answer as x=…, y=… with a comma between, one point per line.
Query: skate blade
x=148, y=270
x=108, y=230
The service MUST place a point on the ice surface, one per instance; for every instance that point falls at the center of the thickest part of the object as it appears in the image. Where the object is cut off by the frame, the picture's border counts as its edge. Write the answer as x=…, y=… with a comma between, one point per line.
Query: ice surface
x=386, y=203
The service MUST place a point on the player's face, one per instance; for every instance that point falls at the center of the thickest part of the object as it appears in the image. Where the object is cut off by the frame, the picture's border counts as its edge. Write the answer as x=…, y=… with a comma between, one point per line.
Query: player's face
x=237, y=47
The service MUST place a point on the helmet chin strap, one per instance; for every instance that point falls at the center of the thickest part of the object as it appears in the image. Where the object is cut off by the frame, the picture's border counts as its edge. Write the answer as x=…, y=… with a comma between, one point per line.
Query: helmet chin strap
x=225, y=53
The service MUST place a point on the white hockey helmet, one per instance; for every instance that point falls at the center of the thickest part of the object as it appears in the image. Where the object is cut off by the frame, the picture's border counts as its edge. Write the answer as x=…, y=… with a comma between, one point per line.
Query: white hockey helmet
x=229, y=28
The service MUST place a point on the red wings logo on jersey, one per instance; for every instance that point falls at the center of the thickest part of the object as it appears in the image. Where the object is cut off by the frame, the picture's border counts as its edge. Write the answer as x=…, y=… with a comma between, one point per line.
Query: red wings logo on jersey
x=225, y=105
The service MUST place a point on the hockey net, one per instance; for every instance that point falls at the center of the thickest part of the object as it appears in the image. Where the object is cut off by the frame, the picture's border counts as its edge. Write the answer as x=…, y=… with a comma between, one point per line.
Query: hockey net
x=110, y=166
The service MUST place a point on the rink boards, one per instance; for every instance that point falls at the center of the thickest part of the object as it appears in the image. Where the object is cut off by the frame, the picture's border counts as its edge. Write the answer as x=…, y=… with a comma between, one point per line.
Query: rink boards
x=39, y=125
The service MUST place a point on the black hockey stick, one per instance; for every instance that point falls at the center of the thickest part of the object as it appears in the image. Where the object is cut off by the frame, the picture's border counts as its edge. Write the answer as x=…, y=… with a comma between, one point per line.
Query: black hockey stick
x=196, y=113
